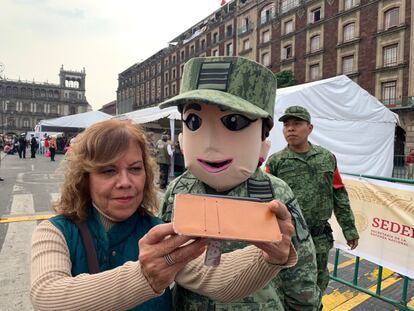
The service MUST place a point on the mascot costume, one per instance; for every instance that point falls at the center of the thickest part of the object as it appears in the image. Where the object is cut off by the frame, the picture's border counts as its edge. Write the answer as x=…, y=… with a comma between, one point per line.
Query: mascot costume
x=227, y=107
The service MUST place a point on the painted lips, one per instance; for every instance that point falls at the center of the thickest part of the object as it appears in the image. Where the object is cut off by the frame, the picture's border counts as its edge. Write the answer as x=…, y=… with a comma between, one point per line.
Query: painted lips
x=215, y=166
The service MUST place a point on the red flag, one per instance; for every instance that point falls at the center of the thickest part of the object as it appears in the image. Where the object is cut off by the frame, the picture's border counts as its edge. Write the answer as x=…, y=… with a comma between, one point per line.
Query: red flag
x=223, y=2
x=337, y=180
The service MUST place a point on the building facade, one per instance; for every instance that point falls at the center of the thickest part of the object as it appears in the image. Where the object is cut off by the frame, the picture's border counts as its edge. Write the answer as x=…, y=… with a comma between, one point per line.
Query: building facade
x=109, y=108
x=23, y=104
x=367, y=40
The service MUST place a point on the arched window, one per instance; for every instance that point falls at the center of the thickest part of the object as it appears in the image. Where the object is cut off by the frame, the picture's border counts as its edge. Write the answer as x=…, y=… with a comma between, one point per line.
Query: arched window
x=349, y=32
x=266, y=59
x=315, y=43
x=391, y=18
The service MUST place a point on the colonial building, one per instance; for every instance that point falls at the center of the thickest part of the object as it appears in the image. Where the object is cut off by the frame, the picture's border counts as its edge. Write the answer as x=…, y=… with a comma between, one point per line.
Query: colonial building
x=23, y=103
x=368, y=40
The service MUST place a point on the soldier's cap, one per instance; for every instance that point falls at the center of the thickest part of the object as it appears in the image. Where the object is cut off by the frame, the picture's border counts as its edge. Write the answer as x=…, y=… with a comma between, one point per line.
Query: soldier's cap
x=240, y=84
x=298, y=112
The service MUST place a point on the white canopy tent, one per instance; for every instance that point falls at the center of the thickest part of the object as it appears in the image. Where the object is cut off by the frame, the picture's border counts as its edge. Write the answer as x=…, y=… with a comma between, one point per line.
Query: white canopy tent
x=151, y=114
x=72, y=123
x=347, y=120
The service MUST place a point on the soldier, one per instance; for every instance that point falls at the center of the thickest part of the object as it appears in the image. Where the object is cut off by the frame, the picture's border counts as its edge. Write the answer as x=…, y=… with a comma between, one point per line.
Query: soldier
x=164, y=153
x=313, y=175
x=227, y=111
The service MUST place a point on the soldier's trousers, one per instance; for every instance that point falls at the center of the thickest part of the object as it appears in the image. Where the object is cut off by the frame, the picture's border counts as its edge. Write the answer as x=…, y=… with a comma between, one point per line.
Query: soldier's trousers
x=323, y=244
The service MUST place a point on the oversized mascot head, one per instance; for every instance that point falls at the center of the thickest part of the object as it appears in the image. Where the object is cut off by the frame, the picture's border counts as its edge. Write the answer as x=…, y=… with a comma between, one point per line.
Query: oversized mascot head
x=227, y=107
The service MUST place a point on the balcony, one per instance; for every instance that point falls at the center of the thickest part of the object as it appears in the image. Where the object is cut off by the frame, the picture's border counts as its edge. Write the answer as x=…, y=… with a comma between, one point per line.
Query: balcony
x=245, y=29
x=406, y=102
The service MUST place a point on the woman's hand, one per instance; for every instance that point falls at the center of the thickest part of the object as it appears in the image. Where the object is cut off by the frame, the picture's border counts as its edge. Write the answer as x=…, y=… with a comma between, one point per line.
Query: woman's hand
x=162, y=254
x=278, y=253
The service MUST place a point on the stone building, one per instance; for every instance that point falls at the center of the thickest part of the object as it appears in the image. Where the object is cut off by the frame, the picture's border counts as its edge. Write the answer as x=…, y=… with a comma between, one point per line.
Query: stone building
x=23, y=103
x=367, y=40
x=109, y=108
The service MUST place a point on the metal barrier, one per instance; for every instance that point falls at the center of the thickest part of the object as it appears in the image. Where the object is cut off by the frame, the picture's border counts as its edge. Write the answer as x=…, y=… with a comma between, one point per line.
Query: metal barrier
x=401, y=304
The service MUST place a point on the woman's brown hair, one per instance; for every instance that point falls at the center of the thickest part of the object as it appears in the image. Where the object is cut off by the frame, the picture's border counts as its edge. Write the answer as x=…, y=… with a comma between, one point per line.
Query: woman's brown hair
x=100, y=145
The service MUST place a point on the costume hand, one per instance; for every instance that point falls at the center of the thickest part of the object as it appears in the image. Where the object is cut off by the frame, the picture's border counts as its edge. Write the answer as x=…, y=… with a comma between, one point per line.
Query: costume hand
x=278, y=253
x=352, y=243
x=161, y=241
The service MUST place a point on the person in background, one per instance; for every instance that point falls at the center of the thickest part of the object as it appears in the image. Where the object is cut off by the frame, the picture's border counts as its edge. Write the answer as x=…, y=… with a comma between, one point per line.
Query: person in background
x=22, y=146
x=312, y=173
x=164, y=154
x=2, y=146
x=33, y=146
x=52, y=148
x=409, y=161
x=108, y=198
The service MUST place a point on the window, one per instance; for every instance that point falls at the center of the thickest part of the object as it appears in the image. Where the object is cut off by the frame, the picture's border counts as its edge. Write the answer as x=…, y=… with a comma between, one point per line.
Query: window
x=315, y=43
x=182, y=56
x=245, y=25
x=166, y=91
x=391, y=18
x=314, y=72
x=246, y=44
x=203, y=44
x=192, y=50
x=266, y=59
x=287, y=52
x=229, y=31
x=348, y=64
x=173, y=89
x=214, y=52
x=229, y=49
x=173, y=73
x=348, y=4
x=26, y=123
x=266, y=14
x=288, y=5
x=389, y=92
x=173, y=59
x=265, y=36
x=215, y=37
x=288, y=26
x=390, y=55
x=166, y=76
x=181, y=70
x=349, y=32
x=165, y=64
x=315, y=15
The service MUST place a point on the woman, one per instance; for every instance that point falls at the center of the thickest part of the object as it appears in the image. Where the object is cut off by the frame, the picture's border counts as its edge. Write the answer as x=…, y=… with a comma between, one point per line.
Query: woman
x=109, y=186
x=52, y=148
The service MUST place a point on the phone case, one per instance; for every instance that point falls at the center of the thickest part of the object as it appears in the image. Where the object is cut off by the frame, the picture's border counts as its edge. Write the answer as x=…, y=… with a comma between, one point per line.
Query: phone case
x=224, y=218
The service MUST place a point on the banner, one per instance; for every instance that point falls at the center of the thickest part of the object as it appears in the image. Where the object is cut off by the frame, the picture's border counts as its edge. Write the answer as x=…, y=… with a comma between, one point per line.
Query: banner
x=384, y=216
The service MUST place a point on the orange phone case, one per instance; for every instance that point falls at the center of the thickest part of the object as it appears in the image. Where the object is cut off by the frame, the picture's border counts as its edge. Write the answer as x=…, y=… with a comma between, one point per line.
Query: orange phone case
x=224, y=218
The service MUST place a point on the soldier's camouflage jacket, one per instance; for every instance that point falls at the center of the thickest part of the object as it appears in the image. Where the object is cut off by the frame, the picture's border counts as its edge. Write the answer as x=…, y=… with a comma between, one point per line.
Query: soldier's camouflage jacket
x=292, y=289
x=311, y=177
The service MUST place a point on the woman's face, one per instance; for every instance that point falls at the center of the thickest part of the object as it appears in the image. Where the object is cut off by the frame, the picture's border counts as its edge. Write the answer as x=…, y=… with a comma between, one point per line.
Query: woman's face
x=117, y=190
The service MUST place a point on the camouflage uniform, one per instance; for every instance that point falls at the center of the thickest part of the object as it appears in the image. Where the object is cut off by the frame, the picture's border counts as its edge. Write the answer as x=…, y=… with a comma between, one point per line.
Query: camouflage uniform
x=311, y=177
x=243, y=86
x=292, y=289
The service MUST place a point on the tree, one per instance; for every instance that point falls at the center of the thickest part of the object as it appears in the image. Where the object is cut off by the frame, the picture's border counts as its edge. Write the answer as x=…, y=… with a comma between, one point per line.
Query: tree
x=285, y=78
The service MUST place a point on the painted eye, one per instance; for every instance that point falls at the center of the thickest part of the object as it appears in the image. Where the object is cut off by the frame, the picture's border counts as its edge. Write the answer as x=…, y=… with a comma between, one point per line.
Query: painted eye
x=236, y=122
x=193, y=122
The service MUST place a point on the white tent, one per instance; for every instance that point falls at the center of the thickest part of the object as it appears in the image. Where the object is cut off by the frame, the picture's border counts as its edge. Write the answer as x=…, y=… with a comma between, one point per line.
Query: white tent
x=72, y=123
x=151, y=114
x=347, y=120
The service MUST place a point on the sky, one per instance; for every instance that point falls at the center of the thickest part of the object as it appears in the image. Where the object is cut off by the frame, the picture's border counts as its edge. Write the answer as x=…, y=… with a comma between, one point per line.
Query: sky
x=104, y=36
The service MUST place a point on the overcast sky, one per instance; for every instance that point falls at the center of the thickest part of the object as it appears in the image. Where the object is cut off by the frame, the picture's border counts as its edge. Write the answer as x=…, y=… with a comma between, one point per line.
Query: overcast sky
x=104, y=36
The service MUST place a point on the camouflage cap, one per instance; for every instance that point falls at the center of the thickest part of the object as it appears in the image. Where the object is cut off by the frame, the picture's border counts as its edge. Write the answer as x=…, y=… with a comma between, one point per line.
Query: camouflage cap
x=234, y=82
x=298, y=112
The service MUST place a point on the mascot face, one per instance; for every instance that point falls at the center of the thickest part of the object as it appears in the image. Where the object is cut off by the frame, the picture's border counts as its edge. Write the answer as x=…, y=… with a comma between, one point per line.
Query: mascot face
x=221, y=147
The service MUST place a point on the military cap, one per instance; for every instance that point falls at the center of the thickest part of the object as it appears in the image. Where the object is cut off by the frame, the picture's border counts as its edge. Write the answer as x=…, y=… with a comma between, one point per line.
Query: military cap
x=237, y=83
x=298, y=112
